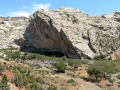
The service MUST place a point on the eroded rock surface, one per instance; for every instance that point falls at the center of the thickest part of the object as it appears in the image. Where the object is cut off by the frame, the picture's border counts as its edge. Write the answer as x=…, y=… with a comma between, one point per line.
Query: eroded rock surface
x=10, y=30
x=114, y=16
x=116, y=55
x=66, y=30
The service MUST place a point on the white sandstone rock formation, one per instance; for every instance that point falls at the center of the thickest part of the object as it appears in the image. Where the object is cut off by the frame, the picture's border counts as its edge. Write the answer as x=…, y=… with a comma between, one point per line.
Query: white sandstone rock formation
x=11, y=30
x=73, y=33
x=66, y=30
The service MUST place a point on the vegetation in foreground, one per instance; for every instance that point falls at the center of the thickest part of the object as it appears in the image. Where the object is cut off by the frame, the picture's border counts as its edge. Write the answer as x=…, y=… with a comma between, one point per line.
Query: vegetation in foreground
x=24, y=77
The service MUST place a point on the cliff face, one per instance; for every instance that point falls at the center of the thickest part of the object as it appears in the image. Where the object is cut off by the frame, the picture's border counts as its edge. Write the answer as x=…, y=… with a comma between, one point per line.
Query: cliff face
x=71, y=32
x=10, y=30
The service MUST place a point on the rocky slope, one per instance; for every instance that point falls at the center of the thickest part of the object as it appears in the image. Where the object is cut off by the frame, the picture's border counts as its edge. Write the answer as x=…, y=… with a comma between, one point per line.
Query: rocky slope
x=10, y=30
x=66, y=30
x=114, y=16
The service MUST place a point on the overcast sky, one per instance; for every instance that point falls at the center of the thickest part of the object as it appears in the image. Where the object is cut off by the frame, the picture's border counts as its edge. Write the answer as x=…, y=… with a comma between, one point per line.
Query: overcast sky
x=27, y=7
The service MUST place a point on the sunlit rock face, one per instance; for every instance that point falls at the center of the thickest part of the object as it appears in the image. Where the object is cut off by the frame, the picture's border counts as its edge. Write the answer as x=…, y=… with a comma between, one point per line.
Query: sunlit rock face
x=66, y=30
x=11, y=29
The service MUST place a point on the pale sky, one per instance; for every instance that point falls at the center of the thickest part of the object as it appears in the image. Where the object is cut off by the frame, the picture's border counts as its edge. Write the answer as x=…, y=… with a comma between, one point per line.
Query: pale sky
x=27, y=7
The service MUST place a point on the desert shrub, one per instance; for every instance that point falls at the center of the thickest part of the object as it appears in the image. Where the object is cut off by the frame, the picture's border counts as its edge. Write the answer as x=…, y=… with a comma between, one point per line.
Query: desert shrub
x=18, y=80
x=70, y=81
x=64, y=58
x=4, y=83
x=34, y=86
x=61, y=67
x=52, y=88
x=30, y=56
x=13, y=55
x=100, y=57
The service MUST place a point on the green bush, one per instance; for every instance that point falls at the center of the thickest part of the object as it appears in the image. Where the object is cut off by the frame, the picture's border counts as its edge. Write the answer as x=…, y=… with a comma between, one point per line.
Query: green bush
x=61, y=67
x=100, y=57
x=30, y=56
x=52, y=88
x=64, y=58
x=70, y=81
x=13, y=55
x=101, y=69
x=34, y=86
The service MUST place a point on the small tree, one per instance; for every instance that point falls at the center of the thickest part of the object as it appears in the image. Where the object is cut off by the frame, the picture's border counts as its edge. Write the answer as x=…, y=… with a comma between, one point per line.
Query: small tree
x=108, y=67
x=101, y=69
x=60, y=66
x=96, y=71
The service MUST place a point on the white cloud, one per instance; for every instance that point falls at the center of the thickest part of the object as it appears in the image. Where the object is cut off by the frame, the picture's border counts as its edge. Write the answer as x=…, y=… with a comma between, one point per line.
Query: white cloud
x=19, y=13
x=1, y=15
x=40, y=6
x=34, y=7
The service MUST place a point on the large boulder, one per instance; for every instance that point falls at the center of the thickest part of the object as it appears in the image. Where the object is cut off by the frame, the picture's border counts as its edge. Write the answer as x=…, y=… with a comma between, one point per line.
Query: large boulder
x=70, y=31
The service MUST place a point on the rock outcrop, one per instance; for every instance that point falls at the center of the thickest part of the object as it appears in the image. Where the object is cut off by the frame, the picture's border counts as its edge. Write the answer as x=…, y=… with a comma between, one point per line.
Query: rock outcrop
x=73, y=33
x=13, y=18
x=114, y=16
x=10, y=30
x=67, y=30
x=116, y=55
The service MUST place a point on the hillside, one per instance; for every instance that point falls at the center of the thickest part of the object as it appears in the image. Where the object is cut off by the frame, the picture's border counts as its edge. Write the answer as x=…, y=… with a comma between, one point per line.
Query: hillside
x=66, y=30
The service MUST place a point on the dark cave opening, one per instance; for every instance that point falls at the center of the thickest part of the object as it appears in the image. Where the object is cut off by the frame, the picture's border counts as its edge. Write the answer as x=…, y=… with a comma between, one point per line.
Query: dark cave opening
x=42, y=51
x=56, y=54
